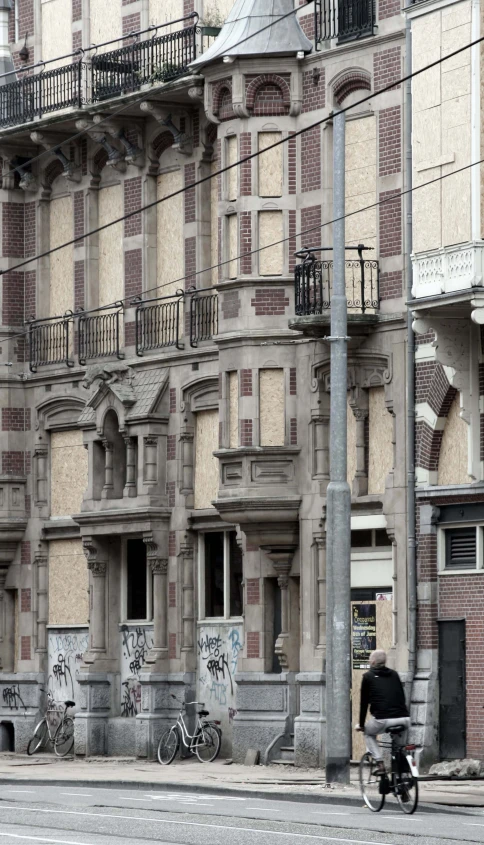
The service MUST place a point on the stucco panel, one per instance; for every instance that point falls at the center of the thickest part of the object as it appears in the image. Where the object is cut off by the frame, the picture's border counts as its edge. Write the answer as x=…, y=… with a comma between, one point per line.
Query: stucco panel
x=452, y=39
x=456, y=83
x=271, y=407
x=351, y=444
x=111, y=276
x=206, y=464
x=271, y=231
x=231, y=156
x=456, y=15
x=162, y=11
x=234, y=410
x=427, y=215
x=454, y=449
x=68, y=583
x=105, y=26
x=456, y=192
x=61, y=262
x=360, y=181
x=169, y=239
x=56, y=31
x=380, y=453
x=426, y=48
x=68, y=472
x=233, y=246
x=270, y=165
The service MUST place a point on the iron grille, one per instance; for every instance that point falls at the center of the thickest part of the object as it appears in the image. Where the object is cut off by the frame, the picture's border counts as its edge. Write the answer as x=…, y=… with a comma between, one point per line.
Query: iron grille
x=50, y=341
x=99, y=334
x=203, y=317
x=158, y=323
x=460, y=548
x=343, y=19
x=159, y=59
x=33, y=96
x=314, y=285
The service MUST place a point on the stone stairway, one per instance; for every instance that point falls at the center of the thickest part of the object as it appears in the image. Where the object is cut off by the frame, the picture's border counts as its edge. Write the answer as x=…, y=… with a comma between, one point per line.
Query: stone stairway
x=286, y=754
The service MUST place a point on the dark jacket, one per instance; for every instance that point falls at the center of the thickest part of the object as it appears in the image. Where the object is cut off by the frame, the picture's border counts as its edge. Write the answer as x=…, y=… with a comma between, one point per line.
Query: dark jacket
x=382, y=690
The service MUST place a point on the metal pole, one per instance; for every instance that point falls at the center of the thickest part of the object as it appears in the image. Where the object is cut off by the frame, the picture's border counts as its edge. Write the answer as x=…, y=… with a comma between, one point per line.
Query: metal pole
x=338, y=706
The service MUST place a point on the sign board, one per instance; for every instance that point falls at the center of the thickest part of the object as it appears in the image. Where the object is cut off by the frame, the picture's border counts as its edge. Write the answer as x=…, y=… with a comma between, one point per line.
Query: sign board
x=363, y=633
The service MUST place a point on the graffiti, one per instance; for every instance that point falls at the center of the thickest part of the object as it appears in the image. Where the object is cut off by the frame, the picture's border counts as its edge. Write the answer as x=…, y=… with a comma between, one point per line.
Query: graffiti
x=12, y=698
x=136, y=643
x=218, y=650
x=65, y=655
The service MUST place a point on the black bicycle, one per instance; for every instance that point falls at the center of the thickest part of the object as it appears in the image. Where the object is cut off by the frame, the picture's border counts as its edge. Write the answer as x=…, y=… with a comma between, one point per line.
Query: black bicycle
x=401, y=781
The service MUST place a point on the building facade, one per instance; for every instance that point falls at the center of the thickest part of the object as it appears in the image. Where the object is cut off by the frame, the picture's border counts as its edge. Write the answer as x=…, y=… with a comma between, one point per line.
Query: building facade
x=448, y=317
x=165, y=420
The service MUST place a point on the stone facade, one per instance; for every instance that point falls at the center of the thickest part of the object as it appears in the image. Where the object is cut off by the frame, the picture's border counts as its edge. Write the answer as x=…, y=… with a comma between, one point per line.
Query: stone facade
x=202, y=442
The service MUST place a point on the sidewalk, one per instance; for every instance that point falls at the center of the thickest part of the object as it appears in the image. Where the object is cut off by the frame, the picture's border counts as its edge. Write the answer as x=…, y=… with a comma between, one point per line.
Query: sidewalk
x=192, y=776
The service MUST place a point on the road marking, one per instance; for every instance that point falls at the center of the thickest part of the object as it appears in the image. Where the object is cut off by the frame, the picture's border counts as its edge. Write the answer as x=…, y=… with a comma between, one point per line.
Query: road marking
x=190, y=824
x=128, y=798
x=78, y=794
x=262, y=809
x=42, y=839
x=323, y=813
x=29, y=791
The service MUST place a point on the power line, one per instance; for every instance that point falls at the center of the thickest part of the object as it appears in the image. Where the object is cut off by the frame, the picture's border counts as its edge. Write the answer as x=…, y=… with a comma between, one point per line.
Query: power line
x=125, y=300
x=223, y=170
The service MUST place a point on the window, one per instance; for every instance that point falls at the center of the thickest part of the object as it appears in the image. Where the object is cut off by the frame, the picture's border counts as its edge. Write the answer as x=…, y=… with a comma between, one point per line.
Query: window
x=220, y=575
x=368, y=538
x=137, y=581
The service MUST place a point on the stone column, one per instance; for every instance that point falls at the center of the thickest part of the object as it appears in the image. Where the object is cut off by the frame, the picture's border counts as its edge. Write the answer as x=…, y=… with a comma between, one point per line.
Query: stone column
x=3, y=578
x=321, y=580
x=130, y=486
x=97, y=621
x=42, y=601
x=188, y=606
x=40, y=463
x=282, y=564
x=150, y=469
x=108, y=488
x=360, y=482
x=186, y=440
x=159, y=567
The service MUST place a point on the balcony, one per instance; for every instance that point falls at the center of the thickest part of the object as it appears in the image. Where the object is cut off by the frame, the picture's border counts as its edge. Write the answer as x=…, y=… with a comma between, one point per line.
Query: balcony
x=344, y=20
x=139, y=64
x=170, y=321
x=313, y=289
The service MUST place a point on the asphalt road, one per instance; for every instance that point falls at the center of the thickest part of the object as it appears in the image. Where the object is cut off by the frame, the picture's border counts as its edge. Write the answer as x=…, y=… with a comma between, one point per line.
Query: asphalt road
x=84, y=816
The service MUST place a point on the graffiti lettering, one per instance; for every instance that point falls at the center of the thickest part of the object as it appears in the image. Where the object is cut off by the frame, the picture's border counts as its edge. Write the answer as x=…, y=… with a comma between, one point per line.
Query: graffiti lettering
x=61, y=671
x=209, y=646
x=136, y=644
x=129, y=700
x=232, y=713
x=12, y=698
x=218, y=692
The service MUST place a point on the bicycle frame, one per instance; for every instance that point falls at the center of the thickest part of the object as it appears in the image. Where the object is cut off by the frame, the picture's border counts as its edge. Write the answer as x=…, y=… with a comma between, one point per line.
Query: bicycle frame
x=180, y=724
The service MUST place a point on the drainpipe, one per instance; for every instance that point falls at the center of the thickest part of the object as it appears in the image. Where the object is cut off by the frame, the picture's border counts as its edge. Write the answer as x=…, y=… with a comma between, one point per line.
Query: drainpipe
x=411, y=540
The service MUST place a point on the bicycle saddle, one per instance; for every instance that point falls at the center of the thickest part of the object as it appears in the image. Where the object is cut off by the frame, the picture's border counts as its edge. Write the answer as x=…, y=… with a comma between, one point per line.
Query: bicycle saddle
x=398, y=729
x=70, y=703
x=203, y=713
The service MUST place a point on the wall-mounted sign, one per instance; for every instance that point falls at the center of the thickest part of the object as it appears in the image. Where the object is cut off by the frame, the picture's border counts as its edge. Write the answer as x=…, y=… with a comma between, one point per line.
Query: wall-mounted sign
x=364, y=634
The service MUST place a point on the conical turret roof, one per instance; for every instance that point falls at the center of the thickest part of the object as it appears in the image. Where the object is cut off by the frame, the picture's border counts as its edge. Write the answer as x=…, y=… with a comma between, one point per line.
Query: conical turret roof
x=247, y=18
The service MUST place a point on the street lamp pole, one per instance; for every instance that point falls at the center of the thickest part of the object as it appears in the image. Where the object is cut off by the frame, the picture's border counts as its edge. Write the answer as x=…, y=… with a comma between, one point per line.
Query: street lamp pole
x=338, y=552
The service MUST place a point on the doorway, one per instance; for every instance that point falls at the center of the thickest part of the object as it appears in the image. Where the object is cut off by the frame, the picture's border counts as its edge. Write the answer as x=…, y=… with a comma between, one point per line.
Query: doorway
x=452, y=684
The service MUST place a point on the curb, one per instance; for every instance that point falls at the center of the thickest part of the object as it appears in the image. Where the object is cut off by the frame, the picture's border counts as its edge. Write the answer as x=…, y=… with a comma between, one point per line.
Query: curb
x=329, y=797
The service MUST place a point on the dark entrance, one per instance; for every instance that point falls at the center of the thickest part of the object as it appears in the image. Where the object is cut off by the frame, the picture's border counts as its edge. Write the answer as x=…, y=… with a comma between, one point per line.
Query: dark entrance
x=452, y=683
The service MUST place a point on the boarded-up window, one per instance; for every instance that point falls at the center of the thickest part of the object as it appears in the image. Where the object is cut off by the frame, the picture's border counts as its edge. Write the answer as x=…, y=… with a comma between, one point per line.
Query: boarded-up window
x=111, y=276
x=162, y=11
x=233, y=410
x=233, y=243
x=360, y=180
x=105, y=25
x=270, y=165
x=271, y=405
x=232, y=155
x=61, y=262
x=453, y=458
x=270, y=232
x=169, y=239
x=68, y=472
x=380, y=455
x=68, y=583
x=206, y=464
x=56, y=31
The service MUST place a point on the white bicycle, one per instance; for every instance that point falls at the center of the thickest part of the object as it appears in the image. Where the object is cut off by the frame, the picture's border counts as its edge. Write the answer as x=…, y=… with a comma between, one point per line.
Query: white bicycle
x=205, y=741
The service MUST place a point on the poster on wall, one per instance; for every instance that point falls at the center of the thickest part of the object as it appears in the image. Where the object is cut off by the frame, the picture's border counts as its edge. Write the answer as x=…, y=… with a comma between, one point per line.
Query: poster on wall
x=364, y=634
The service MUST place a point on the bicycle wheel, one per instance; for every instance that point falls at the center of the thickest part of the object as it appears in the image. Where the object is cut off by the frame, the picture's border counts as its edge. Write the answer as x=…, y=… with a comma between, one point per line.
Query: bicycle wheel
x=64, y=737
x=168, y=746
x=406, y=788
x=39, y=738
x=207, y=743
x=370, y=784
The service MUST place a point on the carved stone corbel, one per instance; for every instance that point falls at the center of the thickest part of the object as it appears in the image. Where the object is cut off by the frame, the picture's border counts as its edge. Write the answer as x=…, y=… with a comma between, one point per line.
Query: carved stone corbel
x=71, y=171
x=133, y=153
x=181, y=142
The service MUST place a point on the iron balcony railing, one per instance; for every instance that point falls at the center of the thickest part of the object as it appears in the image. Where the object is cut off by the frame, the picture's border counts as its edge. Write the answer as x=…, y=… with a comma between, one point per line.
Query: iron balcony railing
x=155, y=60
x=314, y=283
x=159, y=323
x=203, y=317
x=50, y=341
x=99, y=333
x=344, y=20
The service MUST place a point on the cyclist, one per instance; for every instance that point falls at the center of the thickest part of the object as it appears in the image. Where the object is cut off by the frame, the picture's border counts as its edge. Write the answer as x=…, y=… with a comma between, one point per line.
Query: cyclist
x=382, y=691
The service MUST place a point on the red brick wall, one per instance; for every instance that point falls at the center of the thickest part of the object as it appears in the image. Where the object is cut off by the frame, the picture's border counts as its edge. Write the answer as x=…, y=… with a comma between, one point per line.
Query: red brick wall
x=246, y=429
x=131, y=23
x=390, y=213
x=231, y=304
x=253, y=591
x=25, y=648
x=15, y=419
x=172, y=594
x=311, y=160
x=293, y=431
x=307, y=26
x=190, y=193
x=311, y=224
x=76, y=10
x=171, y=447
x=25, y=557
x=133, y=272
x=13, y=299
x=253, y=644
x=463, y=597
x=292, y=240
x=245, y=223
x=246, y=382
x=292, y=166
x=25, y=600
x=13, y=463
x=30, y=294
x=25, y=20
x=270, y=302
x=390, y=141
x=132, y=200
x=13, y=231
x=79, y=284
x=269, y=100
x=293, y=381
x=29, y=228
x=190, y=262
x=391, y=284
x=245, y=169
x=172, y=400
x=314, y=91
x=172, y=544
x=387, y=67
x=388, y=8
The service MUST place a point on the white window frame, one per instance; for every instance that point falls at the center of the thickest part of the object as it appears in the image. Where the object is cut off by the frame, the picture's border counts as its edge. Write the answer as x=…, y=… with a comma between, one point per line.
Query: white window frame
x=201, y=577
x=16, y=14
x=124, y=588
x=441, y=550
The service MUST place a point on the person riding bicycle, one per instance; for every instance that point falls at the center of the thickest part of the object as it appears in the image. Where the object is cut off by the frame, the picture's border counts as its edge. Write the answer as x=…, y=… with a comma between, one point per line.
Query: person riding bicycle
x=382, y=691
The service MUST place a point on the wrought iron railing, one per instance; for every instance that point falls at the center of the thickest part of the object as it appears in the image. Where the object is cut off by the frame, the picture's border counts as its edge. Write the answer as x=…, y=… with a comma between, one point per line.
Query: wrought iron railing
x=203, y=317
x=159, y=323
x=155, y=60
x=50, y=341
x=343, y=19
x=314, y=283
x=99, y=333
